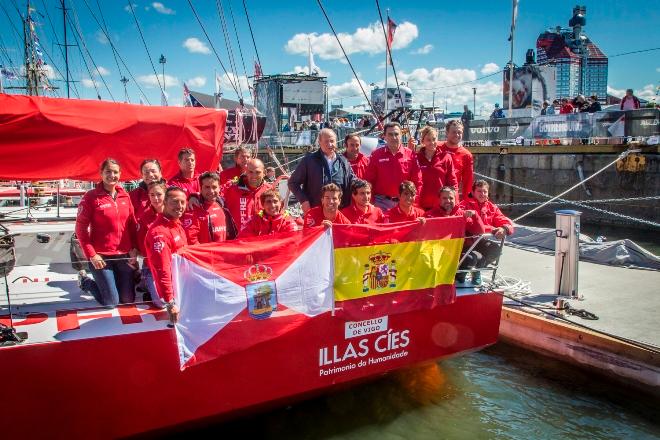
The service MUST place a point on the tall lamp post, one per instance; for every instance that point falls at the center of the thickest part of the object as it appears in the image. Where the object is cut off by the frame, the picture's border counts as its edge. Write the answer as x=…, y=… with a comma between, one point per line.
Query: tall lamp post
x=162, y=60
x=474, y=101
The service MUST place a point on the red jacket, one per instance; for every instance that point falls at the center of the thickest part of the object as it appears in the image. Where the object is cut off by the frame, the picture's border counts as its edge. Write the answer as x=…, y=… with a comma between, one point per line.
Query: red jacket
x=359, y=165
x=490, y=214
x=395, y=215
x=205, y=224
x=566, y=108
x=243, y=202
x=164, y=238
x=373, y=215
x=263, y=224
x=463, y=168
x=105, y=225
x=473, y=225
x=315, y=217
x=143, y=224
x=386, y=171
x=436, y=173
x=140, y=200
x=190, y=186
x=229, y=174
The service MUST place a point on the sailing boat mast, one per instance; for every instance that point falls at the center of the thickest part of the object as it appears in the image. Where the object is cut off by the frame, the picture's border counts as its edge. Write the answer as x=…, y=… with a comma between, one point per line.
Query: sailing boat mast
x=66, y=49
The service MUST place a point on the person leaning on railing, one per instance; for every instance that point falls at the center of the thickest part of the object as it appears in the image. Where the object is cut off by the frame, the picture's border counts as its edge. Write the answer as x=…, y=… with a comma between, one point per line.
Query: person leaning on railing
x=106, y=228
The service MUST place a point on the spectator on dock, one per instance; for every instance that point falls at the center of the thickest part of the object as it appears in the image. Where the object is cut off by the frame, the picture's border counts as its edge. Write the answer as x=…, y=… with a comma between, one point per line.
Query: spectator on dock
x=566, y=107
x=186, y=178
x=271, y=219
x=467, y=115
x=498, y=113
x=361, y=211
x=390, y=165
x=437, y=168
x=594, y=105
x=629, y=101
x=328, y=212
x=357, y=160
x=151, y=172
x=241, y=156
x=106, y=229
x=164, y=237
x=494, y=222
x=270, y=174
x=242, y=196
x=462, y=159
x=210, y=221
x=580, y=104
x=448, y=207
x=547, y=109
x=320, y=168
x=405, y=211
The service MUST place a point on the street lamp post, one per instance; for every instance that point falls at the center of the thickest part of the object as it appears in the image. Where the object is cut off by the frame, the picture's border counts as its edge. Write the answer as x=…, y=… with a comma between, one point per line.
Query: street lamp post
x=474, y=101
x=162, y=60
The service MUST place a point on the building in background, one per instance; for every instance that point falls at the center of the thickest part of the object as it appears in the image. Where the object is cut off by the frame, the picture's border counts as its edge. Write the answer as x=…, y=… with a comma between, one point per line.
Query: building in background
x=580, y=66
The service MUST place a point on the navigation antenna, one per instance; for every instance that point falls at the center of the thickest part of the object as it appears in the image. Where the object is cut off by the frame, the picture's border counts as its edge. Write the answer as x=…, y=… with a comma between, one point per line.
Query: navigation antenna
x=124, y=80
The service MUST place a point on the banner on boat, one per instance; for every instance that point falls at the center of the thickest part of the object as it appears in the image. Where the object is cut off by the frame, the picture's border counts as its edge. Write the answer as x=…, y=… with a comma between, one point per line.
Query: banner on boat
x=237, y=294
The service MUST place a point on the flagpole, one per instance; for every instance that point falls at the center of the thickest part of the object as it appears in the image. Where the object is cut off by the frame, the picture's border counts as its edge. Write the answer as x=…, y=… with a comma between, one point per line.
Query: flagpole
x=387, y=61
x=513, y=29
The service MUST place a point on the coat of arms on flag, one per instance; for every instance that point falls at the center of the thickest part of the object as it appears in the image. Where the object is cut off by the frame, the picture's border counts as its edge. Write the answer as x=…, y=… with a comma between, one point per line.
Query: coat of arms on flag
x=261, y=293
x=380, y=273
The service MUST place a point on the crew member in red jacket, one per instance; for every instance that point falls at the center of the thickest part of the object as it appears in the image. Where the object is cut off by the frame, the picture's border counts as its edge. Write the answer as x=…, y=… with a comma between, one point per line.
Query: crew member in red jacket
x=164, y=238
x=105, y=227
x=241, y=156
x=361, y=211
x=406, y=211
x=357, y=160
x=328, y=213
x=270, y=220
x=242, y=196
x=473, y=226
x=461, y=157
x=389, y=166
x=437, y=168
x=156, y=192
x=151, y=172
x=208, y=222
x=186, y=178
x=494, y=221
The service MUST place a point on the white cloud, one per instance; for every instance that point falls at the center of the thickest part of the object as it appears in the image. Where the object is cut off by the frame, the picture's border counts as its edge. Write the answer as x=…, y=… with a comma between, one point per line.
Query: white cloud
x=197, y=81
x=305, y=70
x=657, y=69
x=89, y=83
x=648, y=92
x=128, y=8
x=616, y=92
x=227, y=88
x=368, y=40
x=423, y=50
x=151, y=81
x=161, y=8
x=50, y=71
x=194, y=45
x=100, y=37
x=102, y=71
x=348, y=89
x=490, y=68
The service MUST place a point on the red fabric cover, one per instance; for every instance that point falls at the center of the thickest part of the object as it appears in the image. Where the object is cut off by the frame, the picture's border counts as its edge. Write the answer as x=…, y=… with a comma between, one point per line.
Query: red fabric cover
x=163, y=239
x=53, y=138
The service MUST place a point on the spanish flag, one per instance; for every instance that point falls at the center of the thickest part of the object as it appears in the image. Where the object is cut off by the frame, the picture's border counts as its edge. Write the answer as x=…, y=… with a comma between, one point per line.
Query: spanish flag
x=395, y=268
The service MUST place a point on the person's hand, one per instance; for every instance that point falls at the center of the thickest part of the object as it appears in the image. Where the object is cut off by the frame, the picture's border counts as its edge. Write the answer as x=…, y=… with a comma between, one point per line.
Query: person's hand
x=305, y=206
x=412, y=144
x=499, y=233
x=98, y=262
x=469, y=213
x=133, y=253
x=421, y=220
x=193, y=202
x=173, y=313
x=327, y=223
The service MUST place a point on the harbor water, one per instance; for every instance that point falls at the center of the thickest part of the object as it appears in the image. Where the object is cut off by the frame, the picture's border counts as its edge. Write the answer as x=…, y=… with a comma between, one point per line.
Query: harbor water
x=502, y=392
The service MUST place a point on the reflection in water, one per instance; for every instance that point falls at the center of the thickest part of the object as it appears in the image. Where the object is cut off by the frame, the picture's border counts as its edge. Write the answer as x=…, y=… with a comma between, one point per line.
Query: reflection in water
x=501, y=392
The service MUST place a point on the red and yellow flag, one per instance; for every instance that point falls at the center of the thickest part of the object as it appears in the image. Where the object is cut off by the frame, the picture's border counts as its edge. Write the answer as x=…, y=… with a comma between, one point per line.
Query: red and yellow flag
x=396, y=268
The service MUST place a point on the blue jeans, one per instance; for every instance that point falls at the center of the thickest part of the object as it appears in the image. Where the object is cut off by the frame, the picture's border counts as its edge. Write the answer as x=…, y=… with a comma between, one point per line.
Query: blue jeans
x=151, y=286
x=113, y=284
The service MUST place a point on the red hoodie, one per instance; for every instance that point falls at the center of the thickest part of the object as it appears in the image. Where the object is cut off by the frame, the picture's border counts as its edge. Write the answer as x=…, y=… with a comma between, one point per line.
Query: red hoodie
x=463, y=168
x=164, y=238
x=263, y=224
x=372, y=216
x=243, y=202
x=189, y=186
x=315, y=217
x=473, y=225
x=396, y=215
x=359, y=165
x=490, y=214
x=105, y=225
x=205, y=224
x=229, y=174
x=436, y=173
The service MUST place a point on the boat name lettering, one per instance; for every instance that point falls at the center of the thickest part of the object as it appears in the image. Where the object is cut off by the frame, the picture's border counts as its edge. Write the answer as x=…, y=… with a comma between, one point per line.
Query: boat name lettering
x=392, y=340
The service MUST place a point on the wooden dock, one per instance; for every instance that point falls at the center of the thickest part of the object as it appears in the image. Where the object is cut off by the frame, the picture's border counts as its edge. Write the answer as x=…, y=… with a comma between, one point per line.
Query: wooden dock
x=623, y=343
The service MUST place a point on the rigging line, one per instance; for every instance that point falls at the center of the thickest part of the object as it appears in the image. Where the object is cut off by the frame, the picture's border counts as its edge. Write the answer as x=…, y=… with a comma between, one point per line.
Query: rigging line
x=341, y=46
x=144, y=43
x=389, y=53
x=633, y=52
x=105, y=25
x=82, y=55
x=201, y=25
x=43, y=2
x=76, y=27
x=5, y=51
x=254, y=43
x=238, y=40
x=230, y=50
x=118, y=54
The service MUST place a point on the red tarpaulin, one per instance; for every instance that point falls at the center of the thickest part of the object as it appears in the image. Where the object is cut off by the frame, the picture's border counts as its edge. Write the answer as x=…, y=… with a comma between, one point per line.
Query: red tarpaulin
x=51, y=138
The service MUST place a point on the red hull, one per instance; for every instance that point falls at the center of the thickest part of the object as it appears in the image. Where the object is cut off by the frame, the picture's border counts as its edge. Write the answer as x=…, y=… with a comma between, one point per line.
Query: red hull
x=120, y=385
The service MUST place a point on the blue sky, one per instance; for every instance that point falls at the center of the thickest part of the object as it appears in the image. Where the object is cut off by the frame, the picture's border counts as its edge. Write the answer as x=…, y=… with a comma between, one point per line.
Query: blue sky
x=438, y=44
